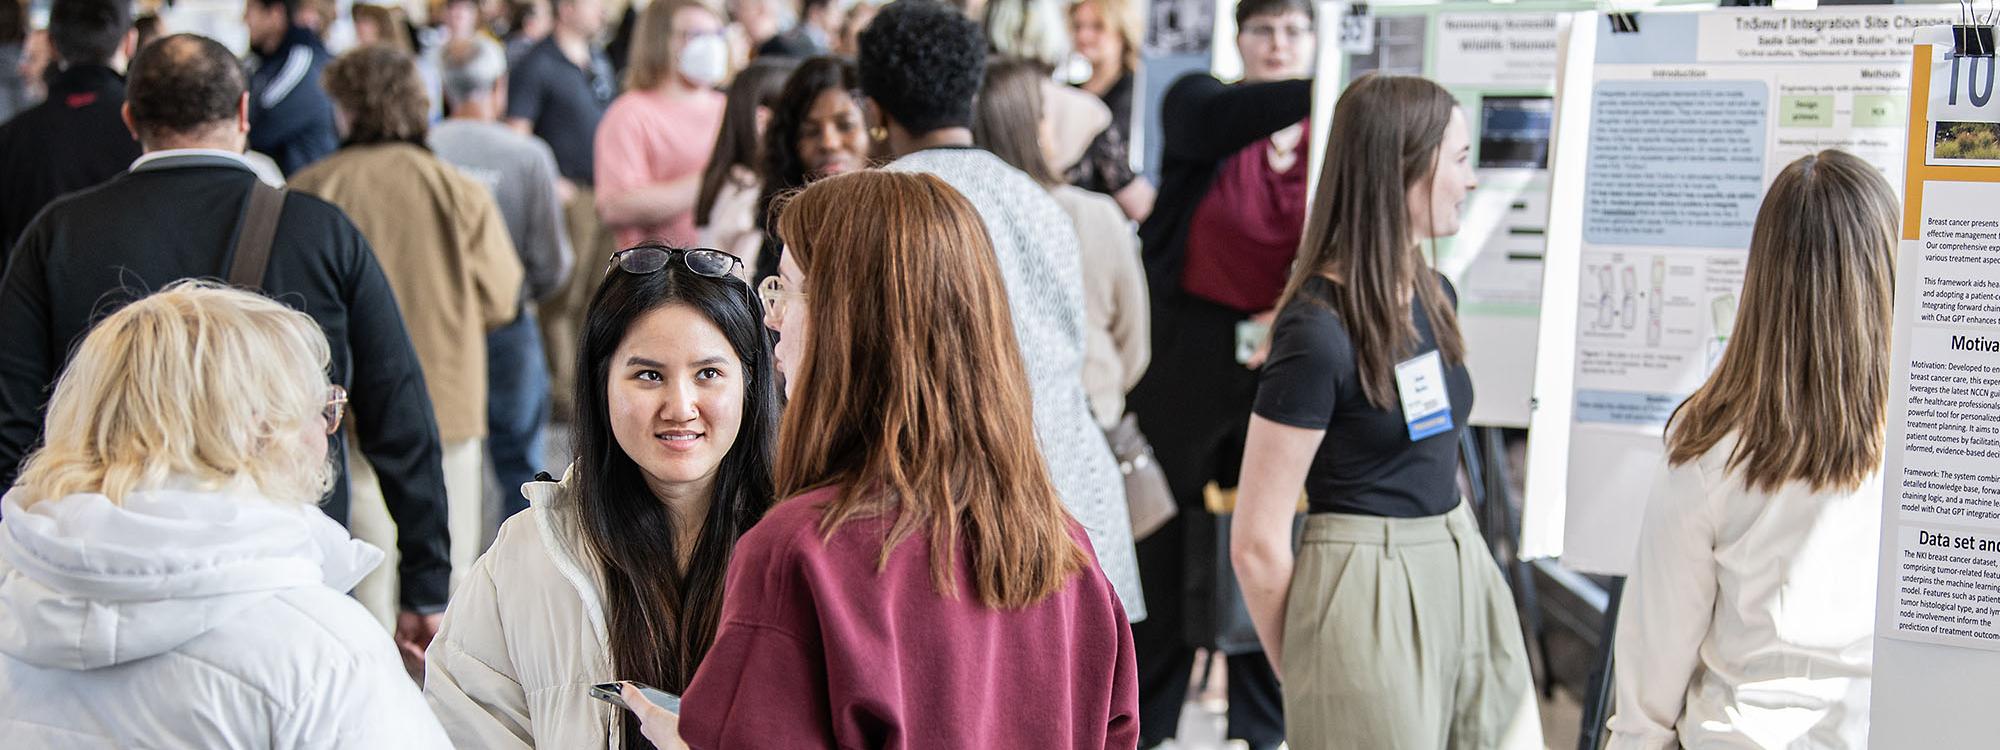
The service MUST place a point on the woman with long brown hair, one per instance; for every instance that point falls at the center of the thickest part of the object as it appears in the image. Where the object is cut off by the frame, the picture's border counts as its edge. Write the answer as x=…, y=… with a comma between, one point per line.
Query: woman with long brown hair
x=1393, y=628
x=922, y=585
x=1746, y=620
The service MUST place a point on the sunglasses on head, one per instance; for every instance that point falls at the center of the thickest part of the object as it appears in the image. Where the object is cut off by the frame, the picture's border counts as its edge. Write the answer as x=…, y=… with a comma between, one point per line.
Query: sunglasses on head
x=646, y=259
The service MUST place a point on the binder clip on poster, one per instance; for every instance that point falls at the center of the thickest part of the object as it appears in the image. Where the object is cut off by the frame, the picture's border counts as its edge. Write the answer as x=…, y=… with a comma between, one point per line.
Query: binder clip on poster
x=1357, y=30
x=1973, y=37
x=1623, y=14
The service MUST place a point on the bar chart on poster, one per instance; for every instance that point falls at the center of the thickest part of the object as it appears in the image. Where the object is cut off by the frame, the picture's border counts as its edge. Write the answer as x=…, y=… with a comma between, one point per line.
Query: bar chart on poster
x=1500, y=64
x=1937, y=612
x=1677, y=129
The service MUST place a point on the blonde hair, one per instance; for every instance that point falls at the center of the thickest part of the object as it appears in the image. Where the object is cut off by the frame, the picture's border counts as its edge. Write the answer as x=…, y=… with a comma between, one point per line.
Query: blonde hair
x=198, y=382
x=652, y=62
x=1122, y=20
x=1804, y=382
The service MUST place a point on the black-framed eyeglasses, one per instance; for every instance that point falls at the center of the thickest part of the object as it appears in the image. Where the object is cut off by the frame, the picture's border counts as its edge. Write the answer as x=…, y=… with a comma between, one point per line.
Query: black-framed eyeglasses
x=703, y=261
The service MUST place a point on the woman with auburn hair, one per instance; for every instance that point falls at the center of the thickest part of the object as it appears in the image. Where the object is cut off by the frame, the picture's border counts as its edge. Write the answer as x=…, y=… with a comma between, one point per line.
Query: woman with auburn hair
x=1741, y=624
x=923, y=581
x=1393, y=627
x=166, y=577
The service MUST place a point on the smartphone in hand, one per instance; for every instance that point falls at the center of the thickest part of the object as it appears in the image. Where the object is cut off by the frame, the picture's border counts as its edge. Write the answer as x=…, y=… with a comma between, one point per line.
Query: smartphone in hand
x=609, y=693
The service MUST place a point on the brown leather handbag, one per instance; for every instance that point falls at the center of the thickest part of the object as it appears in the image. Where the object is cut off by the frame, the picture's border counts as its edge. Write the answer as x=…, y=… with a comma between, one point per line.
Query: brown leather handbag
x=1148, y=498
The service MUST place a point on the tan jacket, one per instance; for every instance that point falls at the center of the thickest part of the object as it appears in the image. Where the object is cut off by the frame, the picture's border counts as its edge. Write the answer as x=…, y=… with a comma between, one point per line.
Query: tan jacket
x=524, y=638
x=443, y=245
x=1117, y=338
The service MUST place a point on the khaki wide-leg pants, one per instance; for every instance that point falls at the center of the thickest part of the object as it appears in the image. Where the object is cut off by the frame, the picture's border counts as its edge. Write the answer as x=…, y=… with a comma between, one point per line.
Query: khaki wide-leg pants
x=1401, y=635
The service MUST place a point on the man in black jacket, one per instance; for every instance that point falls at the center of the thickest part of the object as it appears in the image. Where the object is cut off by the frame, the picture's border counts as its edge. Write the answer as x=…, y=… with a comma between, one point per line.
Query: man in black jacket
x=291, y=118
x=175, y=216
x=73, y=139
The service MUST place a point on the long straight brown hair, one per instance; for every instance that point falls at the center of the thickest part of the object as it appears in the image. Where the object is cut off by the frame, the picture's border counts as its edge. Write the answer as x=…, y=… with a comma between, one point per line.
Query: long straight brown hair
x=1007, y=117
x=1804, y=382
x=1386, y=135
x=912, y=398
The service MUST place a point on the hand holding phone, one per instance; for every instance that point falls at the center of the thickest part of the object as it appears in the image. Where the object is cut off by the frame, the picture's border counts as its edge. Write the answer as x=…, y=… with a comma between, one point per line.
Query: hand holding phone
x=609, y=692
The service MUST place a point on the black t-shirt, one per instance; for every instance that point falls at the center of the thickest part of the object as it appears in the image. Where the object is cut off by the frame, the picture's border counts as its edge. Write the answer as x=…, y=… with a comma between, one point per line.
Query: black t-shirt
x=1367, y=464
x=564, y=102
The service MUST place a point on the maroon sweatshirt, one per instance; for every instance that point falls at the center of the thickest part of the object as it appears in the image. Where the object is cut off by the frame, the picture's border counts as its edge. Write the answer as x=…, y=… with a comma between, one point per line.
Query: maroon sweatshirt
x=817, y=649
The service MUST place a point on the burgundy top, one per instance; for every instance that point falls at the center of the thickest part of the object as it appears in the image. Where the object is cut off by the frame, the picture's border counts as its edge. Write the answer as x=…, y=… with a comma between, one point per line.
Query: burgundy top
x=817, y=649
x=1246, y=230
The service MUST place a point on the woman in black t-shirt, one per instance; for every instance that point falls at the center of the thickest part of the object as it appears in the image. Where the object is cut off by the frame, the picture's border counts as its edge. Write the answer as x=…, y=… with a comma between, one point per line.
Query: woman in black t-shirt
x=1393, y=628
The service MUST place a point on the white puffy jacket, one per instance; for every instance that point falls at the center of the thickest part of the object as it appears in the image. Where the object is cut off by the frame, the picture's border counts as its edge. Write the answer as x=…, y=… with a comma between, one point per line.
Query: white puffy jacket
x=524, y=638
x=188, y=619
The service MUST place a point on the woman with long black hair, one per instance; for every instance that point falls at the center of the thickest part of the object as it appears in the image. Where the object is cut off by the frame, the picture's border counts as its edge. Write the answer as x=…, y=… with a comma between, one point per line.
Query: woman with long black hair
x=616, y=571
x=816, y=131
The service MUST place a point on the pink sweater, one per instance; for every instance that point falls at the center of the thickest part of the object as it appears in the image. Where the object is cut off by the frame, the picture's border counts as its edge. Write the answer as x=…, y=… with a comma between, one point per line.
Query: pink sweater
x=817, y=649
x=647, y=138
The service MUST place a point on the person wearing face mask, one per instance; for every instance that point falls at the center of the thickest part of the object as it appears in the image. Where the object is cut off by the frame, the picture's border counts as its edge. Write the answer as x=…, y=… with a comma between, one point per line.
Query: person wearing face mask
x=656, y=138
x=1217, y=246
x=816, y=131
x=1392, y=627
x=616, y=572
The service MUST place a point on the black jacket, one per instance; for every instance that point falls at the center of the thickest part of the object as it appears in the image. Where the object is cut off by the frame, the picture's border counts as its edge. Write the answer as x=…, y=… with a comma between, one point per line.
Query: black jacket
x=176, y=218
x=71, y=141
x=1203, y=122
x=291, y=118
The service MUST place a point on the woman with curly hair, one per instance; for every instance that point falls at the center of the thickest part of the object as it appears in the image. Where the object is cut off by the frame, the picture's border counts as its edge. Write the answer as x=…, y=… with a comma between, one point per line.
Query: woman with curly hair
x=445, y=249
x=816, y=131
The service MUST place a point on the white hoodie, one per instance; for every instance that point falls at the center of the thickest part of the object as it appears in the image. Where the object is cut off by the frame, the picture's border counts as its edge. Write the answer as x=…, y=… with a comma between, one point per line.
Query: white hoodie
x=193, y=619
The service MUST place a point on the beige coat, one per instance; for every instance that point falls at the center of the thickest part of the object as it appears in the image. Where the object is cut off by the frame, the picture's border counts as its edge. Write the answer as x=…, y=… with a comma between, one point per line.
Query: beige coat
x=524, y=638
x=1117, y=339
x=443, y=245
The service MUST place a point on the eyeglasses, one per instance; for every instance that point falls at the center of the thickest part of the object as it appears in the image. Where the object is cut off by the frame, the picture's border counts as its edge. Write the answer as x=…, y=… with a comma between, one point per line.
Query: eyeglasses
x=336, y=407
x=646, y=259
x=776, y=297
x=1268, y=33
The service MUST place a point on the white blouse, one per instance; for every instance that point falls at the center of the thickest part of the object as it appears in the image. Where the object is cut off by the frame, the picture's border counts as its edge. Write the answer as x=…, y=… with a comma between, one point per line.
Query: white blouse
x=1748, y=619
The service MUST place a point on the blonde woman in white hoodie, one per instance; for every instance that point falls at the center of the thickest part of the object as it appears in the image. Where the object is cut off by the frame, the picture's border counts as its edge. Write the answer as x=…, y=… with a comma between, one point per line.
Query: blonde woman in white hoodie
x=165, y=578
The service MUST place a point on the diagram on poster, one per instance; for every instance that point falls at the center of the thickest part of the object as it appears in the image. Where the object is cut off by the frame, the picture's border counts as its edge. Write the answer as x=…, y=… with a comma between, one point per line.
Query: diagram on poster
x=1682, y=125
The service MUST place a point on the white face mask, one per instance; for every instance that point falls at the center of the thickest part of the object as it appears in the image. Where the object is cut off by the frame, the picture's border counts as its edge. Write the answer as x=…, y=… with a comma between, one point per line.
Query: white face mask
x=705, y=60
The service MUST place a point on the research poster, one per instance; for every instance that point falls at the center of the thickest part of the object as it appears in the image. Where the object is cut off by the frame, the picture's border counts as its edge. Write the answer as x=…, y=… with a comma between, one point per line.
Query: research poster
x=1501, y=66
x=1679, y=128
x=1938, y=585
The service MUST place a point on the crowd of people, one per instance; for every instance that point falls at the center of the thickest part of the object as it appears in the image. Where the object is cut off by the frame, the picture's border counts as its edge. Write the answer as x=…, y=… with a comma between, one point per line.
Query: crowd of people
x=843, y=310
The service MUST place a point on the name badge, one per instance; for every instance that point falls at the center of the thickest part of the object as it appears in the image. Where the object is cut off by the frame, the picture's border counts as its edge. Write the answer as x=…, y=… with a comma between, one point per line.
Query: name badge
x=1426, y=401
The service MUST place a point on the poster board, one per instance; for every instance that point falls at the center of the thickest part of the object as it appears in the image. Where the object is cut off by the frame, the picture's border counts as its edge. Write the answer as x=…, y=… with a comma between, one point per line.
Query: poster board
x=1680, y=126
x=1937, y=627
x=1500, y=63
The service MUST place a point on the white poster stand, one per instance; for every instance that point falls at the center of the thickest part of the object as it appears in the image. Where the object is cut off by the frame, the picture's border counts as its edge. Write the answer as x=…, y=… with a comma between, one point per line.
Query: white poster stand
x=1685, y=122
x=1937, y=611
